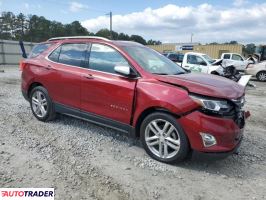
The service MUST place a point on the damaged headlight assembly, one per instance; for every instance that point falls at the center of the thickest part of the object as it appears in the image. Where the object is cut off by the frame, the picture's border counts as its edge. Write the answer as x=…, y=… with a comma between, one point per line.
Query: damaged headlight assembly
x=213, y=106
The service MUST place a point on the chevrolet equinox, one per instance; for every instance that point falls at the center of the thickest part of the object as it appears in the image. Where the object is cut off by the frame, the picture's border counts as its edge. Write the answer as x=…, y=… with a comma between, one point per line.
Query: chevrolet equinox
x=134, y=89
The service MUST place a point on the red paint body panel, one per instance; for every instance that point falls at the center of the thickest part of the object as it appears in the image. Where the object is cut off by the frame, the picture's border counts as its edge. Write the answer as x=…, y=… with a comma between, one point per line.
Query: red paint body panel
x=152, y=93
x=124, y=100
x=224, y=130
x=107, y=95
x=205, y=84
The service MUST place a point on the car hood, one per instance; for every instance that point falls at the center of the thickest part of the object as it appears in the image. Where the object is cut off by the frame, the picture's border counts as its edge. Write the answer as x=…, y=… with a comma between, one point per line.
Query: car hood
x=204, y=84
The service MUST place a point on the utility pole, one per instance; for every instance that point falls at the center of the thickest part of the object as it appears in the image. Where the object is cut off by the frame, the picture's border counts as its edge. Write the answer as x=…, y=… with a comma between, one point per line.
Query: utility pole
x=191, y=37
x=111, y=24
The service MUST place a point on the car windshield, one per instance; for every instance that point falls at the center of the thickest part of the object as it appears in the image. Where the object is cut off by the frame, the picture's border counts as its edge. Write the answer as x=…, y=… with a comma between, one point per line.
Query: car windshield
x=208, y=58
x=153, y=61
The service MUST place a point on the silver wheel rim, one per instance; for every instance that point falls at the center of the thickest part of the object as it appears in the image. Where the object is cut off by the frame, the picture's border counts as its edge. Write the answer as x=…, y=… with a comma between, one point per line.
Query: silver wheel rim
x=262, y=76
x=39, y=103
x=162, y=138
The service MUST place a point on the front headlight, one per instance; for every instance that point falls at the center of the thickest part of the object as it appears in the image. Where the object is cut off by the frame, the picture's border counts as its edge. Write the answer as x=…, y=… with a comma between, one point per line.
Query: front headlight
x=213, y=105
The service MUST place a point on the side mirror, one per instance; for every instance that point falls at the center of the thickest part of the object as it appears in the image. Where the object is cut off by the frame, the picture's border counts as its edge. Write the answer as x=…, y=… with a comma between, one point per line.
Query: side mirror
x=125, y=71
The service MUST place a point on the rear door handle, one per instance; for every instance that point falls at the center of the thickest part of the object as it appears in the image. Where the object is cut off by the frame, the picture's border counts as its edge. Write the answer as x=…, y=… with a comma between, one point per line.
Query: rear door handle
x=89, y=76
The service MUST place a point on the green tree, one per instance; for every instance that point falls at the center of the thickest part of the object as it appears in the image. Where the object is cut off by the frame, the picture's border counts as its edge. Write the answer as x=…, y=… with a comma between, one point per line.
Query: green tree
x=138, y=39
x=250, y=48
x=123, y=36
x=153, y=42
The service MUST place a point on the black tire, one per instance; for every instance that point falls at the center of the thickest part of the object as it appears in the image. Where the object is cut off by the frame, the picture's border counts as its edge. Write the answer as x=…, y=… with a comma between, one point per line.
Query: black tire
x=184, y=146
x=260, y=75
x=50, y=111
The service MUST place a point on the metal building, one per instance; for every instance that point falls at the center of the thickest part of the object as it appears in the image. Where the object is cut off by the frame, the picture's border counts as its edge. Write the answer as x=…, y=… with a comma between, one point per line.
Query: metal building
x=213, y=51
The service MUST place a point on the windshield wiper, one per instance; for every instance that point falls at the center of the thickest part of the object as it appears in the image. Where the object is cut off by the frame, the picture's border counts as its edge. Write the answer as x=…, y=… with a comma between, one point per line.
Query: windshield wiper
x=180, y=73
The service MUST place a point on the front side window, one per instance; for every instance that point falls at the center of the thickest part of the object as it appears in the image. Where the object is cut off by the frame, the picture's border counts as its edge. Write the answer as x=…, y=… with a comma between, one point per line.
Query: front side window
x=237, y=57
x=104, y=58
x=196, y=60
x=72, y=54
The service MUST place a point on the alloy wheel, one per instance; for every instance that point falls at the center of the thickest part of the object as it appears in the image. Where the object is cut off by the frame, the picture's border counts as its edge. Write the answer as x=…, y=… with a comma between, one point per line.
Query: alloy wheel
x=39, y=103
x=262, y=76
x=162, y=138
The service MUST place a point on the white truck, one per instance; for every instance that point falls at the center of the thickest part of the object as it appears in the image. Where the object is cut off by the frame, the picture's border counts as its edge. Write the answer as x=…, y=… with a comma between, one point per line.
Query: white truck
x=199, y=62
x=235, y=59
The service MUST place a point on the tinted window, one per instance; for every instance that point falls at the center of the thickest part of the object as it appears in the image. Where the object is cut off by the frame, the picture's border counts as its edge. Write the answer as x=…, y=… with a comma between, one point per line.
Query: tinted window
x=104, y=58
x=38, y=49
x=226, y=56
x=72, y=54
x=173, y=56
x=180, y=57
x=55, y=55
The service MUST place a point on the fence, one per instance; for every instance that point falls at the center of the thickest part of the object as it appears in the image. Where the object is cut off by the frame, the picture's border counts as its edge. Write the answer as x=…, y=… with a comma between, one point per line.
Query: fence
x=10, y=51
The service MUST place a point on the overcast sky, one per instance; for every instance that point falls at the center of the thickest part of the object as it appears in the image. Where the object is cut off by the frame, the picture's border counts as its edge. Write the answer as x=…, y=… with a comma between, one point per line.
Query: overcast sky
x=165, y=20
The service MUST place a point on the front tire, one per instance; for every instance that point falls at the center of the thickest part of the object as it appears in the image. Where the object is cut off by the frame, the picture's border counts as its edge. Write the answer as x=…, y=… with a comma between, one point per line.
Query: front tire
x=41, y=104
x=163, y=138
x=261, y=76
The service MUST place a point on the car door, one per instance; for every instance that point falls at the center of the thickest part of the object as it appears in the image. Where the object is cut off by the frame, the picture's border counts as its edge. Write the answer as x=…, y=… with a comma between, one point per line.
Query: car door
x=67, y=60
x=196, y=64
x=104, y=92
x=238, y=62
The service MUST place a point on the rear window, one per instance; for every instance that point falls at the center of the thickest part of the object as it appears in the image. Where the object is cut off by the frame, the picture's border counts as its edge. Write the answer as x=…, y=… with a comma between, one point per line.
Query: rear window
x=38, y=49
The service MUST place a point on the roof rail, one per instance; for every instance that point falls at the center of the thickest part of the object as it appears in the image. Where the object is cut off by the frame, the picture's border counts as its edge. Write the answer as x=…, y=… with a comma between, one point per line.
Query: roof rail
x=78, y=37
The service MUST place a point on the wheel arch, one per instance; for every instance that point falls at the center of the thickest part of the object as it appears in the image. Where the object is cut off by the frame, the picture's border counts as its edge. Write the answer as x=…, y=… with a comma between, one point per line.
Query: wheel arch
x=147, y=112
x=33, y=85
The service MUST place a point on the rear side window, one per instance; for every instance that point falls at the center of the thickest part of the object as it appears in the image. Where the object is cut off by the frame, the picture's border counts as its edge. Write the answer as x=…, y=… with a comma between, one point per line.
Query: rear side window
x=104, y=58
x=55, y=55
x=38, y=49
x=72, y=54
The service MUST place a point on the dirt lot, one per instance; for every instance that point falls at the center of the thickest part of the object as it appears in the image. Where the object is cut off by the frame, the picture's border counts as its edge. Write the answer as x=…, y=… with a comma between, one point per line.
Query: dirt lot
x=85, y=161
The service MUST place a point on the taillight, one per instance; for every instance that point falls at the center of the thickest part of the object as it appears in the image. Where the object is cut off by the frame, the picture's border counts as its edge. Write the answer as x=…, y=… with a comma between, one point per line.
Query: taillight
x=22, y=65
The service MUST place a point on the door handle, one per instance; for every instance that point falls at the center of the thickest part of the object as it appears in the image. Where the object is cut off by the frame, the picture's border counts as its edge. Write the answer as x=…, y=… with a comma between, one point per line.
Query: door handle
x=89, y=76
x=49, y=67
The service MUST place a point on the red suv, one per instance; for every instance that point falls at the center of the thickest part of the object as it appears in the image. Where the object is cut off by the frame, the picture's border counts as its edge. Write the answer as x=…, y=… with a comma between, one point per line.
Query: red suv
x=134, y=89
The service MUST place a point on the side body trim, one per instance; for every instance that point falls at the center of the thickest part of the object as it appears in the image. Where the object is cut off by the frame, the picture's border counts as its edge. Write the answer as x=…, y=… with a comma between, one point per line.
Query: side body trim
x=96, y=119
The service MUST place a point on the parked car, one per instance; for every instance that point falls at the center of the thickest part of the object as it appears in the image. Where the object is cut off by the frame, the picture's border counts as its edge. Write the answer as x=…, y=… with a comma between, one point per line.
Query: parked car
x=258, y=70
x=134, y=89
x=235, y=59
x=199, y=62
x=176, y=57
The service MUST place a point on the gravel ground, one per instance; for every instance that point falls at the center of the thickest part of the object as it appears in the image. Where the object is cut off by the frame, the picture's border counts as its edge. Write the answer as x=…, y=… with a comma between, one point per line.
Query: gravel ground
x=85, y=161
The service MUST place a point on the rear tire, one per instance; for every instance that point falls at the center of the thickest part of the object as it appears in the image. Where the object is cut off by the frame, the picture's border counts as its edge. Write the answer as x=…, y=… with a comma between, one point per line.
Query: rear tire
x=261, y=76
x=41, y=104
x=163, y=138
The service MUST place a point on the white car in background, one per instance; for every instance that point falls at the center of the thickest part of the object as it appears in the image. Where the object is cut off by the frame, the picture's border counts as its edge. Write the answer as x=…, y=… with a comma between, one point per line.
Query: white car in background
x=199, y=62
x=235, y=59
x=258, y=70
